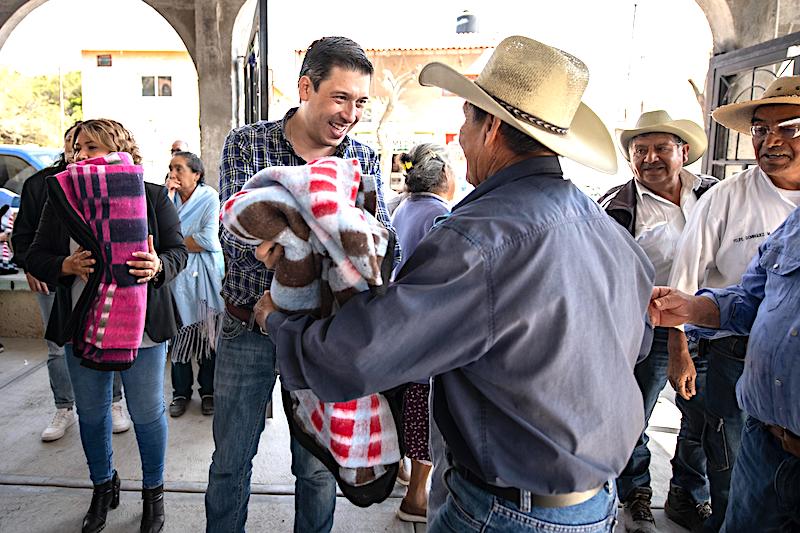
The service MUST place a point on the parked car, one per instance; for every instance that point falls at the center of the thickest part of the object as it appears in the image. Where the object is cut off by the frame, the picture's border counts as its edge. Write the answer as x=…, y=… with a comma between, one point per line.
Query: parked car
x=18, y=163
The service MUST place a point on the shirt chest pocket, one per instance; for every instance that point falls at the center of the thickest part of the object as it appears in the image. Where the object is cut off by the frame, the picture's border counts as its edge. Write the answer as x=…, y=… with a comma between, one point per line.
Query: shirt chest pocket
x=783, y=277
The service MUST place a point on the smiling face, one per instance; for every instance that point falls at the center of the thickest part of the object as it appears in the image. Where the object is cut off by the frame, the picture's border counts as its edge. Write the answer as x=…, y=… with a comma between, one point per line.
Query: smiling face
x=656, y=160
x=183, y=179
x=86, y=147
x=778, y=158
x=332, y=110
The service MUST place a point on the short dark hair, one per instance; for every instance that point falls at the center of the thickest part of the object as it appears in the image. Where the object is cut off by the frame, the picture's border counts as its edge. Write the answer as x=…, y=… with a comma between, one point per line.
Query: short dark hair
x=517, y=141
x=329, y=52
x=194, y=163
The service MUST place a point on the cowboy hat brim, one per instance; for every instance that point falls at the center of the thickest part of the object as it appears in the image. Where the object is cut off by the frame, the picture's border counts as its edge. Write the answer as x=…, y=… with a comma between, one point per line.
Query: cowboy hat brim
x=687, y=130
x=587, y=141
x=739, y=117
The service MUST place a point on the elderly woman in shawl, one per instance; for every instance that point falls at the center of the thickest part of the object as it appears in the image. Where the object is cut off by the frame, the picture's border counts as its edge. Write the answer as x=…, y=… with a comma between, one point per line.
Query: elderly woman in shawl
x=197, y=289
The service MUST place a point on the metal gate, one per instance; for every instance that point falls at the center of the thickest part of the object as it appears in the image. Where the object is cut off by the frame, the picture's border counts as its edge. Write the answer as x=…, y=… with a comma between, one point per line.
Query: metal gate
x=739, y=76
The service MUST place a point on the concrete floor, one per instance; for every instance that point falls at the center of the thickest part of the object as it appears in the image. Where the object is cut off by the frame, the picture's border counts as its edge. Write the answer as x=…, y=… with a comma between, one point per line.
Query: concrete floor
x=44, y=487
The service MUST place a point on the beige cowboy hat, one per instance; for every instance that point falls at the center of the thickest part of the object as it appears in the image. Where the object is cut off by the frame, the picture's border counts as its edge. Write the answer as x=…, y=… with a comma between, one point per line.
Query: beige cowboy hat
x=537, y=89
x=738, y=117
x=659, y=121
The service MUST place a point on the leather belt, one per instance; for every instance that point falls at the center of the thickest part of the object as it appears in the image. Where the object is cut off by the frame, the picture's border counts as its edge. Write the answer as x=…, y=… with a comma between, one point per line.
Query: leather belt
x=246, y=316
x=789, y=441
x=537, y=500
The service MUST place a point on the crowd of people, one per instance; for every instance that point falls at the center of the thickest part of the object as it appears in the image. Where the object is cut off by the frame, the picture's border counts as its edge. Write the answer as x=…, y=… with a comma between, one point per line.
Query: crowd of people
x=528, y=328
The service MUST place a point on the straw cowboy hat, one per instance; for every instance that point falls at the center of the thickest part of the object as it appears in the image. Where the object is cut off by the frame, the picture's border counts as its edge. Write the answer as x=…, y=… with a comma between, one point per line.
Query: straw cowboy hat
x=738, y=117
x=537, y=89
x=660, y=122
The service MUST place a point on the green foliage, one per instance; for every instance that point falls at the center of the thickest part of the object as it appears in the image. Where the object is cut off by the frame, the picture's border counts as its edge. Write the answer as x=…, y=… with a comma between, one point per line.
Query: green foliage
x=29, y=107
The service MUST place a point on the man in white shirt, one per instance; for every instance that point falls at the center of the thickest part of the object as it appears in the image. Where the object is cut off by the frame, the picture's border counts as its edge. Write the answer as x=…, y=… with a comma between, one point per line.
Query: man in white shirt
x=653, y=207
x=721, y=237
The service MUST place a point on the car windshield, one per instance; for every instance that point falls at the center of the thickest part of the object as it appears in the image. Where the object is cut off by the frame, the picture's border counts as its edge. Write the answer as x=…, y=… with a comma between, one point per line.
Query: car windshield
x=46, y=158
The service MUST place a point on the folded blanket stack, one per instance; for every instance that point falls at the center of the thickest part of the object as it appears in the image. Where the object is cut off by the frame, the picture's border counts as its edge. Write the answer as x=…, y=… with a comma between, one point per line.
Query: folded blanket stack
x=322, y=214
x=106, y=194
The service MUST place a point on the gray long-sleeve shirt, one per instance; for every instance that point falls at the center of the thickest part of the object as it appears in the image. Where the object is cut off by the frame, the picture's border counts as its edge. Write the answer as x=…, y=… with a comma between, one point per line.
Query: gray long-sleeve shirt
x=527, y=304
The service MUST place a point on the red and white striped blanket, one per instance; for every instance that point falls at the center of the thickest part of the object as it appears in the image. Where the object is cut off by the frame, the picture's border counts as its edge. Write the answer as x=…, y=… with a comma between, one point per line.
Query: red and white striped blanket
x=323, y=215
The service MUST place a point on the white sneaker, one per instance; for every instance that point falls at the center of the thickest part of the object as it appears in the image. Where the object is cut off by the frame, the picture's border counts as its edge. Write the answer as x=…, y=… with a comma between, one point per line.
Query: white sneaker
x=62, y=420
x=120, y=423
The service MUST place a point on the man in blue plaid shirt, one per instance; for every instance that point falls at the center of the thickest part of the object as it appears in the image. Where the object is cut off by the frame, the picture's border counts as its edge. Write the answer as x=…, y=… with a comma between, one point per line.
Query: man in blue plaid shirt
x=333, y=89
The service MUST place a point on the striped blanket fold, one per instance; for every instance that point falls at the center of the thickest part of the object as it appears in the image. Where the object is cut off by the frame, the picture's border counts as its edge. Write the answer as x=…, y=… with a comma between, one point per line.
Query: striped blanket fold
x=323, y=215
x=107, y=196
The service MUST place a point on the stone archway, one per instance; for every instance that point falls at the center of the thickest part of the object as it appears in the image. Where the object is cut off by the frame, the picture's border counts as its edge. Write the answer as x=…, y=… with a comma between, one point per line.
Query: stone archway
x=206, y=27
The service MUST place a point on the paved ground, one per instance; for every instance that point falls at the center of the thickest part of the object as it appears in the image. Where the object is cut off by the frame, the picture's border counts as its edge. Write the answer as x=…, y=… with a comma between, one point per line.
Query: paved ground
x=44, y=487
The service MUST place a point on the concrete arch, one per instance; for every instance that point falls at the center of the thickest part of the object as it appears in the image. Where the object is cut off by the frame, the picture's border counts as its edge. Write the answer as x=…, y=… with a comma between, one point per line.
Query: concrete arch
x=206, y=28
x=720, y=19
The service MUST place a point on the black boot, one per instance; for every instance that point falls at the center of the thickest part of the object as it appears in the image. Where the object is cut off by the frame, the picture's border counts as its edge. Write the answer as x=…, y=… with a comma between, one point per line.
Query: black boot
x=153, y=510
x=105, y=496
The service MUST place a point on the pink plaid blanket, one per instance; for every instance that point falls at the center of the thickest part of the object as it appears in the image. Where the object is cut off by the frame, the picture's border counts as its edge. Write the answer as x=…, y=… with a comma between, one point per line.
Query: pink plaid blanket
x=107, y=195
x=322, y=214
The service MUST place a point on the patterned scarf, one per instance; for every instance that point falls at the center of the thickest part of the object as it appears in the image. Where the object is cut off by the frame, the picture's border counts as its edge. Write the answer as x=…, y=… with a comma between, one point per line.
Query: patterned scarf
x=107, y=209
x=322, y=214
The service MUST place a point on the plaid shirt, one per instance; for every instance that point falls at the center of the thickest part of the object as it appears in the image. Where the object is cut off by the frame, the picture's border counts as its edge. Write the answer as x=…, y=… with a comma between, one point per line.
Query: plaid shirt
x=252, y=148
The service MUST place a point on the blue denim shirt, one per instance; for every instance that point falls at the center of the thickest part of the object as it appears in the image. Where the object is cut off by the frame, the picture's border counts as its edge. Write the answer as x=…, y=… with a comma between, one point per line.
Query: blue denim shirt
x=246, y=151
x=527, y=304
x=766, y=306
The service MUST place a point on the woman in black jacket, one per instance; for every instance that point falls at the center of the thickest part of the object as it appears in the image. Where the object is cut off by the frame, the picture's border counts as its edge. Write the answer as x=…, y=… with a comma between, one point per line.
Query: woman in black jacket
x=56, y=258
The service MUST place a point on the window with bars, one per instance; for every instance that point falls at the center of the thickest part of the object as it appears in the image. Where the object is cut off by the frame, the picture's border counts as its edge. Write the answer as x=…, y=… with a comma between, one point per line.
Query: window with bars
x=740, y=76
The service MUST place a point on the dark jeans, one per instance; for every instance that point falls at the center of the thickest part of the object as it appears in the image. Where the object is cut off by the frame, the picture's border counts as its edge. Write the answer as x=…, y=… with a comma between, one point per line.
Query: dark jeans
x=724, y=419
x=689, y=462
x=182, y=377
x=245, y=377
x=765, y=485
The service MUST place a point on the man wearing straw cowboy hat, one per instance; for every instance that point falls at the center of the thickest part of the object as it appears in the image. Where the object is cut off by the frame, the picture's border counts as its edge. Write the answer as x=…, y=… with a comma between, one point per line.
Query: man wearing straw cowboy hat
x=721, y=236
x=533, y=388
x=653, y=207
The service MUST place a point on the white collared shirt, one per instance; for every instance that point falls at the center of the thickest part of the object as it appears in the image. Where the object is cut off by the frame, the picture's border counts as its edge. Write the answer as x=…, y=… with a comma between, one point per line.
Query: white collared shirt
x=659, y=223
x=725, y=230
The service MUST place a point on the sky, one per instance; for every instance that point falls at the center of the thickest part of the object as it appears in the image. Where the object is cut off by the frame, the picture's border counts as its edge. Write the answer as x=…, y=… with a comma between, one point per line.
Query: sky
x=640, y=53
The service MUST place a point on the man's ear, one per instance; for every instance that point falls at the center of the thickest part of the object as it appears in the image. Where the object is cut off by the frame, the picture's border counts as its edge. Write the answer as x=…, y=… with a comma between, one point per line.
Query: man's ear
x=685, y=149
x=491, y=130
x=304, y=87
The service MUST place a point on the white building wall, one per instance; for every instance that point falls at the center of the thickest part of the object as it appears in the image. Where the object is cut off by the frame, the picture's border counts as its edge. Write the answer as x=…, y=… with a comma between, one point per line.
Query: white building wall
x=155, y=121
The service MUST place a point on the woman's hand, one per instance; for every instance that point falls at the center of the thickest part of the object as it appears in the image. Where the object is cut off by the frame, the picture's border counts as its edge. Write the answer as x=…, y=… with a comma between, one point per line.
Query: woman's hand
x=148, y=266
x=78, y=264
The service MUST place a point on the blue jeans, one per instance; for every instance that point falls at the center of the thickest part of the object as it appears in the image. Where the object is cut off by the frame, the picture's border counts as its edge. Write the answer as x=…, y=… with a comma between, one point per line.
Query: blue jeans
x=689, y=462
x=470, y=508
x=243, y=381
x=144, y=391
x=182, y=377
x=724, y=419
x=314, y=492
x=765, y=485
x=57, y=371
